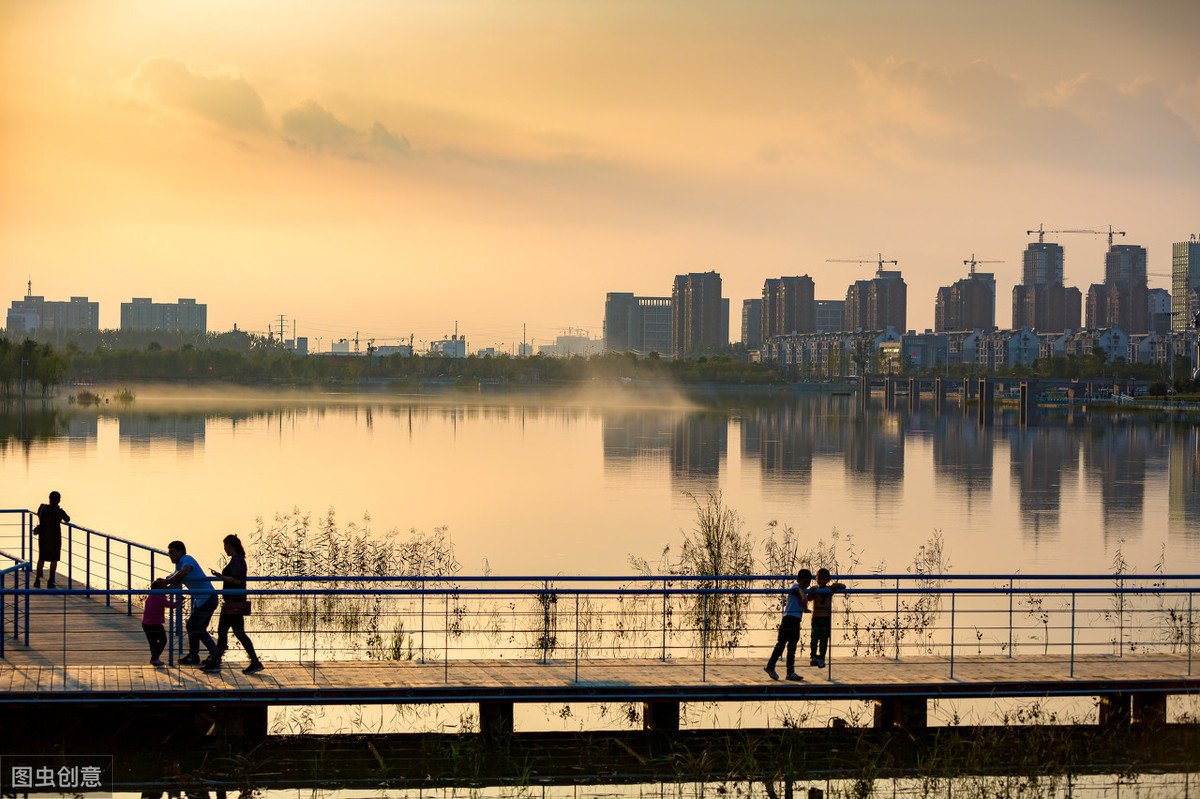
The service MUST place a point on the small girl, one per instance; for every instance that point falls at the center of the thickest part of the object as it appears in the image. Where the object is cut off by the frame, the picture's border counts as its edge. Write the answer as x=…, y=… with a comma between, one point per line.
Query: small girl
x=153, y=618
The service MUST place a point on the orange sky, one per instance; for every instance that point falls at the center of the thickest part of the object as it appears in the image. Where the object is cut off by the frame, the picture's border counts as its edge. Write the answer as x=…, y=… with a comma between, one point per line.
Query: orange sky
x=391, y=167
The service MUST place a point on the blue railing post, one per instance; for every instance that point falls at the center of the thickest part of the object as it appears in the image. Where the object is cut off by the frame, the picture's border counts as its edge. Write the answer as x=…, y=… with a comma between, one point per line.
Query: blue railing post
x=664, y=621
x=1010, y=617
x=171, y=636
x=1190, y=633
x=87, y=569
x=704, y=643
x=70, y=549
x=576, y=636
x=1072, y=633
x=129, y=578
x=27, y=608
x=952, y=597
x=897, y=618
x=446, y=641
x=3, y=600
x=1121, y=616
x=422, y=619
x=108, y=571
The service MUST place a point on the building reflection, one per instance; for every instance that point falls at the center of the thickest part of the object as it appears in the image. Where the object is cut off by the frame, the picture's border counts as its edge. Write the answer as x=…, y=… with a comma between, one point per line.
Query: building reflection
x=636, y=438
x=781, y=440
x=1183, y=514
x=1041, y=460
x=699, y=442
x=873, y=450
x=1115, y=459
x=144, y=430
x=963, y=453
x=691, y=445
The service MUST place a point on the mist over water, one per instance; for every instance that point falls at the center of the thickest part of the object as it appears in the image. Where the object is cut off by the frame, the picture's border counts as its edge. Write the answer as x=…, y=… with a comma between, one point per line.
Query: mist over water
x=577, y=482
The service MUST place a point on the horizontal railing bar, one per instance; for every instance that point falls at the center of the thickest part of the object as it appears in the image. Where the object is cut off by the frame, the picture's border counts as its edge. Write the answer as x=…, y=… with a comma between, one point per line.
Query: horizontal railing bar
x=777, y=592
x=724, y=577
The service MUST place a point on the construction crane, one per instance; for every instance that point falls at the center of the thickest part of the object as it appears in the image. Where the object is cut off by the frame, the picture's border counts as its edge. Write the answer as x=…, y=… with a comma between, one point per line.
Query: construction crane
x=1041, y=231
x=878, y=261
x=973, y=261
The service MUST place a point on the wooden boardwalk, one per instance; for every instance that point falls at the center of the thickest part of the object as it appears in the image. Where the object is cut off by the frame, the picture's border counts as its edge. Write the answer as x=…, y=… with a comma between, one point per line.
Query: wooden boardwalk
x=105, y=659
x=598, y=680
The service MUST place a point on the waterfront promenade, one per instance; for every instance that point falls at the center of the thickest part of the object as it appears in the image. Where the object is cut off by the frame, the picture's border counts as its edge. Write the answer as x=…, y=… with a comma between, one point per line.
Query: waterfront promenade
x=658, y=640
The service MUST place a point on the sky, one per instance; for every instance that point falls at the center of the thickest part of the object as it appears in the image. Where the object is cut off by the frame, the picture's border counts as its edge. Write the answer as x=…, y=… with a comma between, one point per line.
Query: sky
x=400, y=167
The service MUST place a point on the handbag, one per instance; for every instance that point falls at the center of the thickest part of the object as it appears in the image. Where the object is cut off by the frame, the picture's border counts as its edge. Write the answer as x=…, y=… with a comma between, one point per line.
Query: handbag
x=237, y=607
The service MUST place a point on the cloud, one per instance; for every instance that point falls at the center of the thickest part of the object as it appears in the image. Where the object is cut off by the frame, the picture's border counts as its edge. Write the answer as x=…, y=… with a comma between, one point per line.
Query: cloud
x=978, y=113
x=313, y=127
x=384, y=138
x=232, y=102
x=227, y=100
x=310, y=125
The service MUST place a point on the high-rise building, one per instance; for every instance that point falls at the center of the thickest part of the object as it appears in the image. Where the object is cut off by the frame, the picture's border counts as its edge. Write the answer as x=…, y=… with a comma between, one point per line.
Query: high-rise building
x=36, y=313
x=1159, y=310
x=1122, y=299
x=1185, y=283
x=1124, y=305
x=144, y=314
x=788, y=306
x=1125, y=263
x=830, y=316
x=1041, y=302
x=968, y=304
x=1047, y=308
x=877, y=304
x=1043, y=263
x=752, y=323
x=699, y=315
x=637, y=324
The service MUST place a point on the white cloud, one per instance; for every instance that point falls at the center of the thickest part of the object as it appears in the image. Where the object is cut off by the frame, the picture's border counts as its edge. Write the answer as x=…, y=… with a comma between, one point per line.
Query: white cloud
x=228, y=100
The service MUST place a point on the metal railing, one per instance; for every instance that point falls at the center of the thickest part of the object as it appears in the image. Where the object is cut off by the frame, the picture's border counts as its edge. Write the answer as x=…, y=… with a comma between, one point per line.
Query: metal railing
x=657, y=617
x=13, y=603
x=97, y=561
x=698, y=620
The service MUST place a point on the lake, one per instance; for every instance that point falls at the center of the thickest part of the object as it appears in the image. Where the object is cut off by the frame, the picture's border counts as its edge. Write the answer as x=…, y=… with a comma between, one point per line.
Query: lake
x=577, y=482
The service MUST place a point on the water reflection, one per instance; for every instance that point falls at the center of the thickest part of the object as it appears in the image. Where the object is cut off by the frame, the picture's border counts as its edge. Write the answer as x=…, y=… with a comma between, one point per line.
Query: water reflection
x=890, y=477
x=873, y=450
x=698, y=446
x=143, y=430
x=1041, y=460
x=963, y=454
x=1184, y=479
x=639, y=439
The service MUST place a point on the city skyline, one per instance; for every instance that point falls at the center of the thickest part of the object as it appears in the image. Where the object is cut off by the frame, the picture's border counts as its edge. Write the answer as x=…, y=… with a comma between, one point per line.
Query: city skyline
x=394, y=168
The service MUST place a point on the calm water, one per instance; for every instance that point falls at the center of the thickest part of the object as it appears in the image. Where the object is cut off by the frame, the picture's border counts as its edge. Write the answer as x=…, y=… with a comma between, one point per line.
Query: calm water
x=577, y=484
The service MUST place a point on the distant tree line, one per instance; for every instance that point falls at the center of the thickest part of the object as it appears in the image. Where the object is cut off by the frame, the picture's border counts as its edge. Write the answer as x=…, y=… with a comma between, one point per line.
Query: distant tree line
x=247, y=359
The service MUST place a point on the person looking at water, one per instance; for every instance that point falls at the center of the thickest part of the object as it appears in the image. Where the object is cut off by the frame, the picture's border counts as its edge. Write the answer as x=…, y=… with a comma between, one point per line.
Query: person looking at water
x=822, y=617
x=204, y=602
x=235, y=608
x=789, y=627
x=49, y=536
